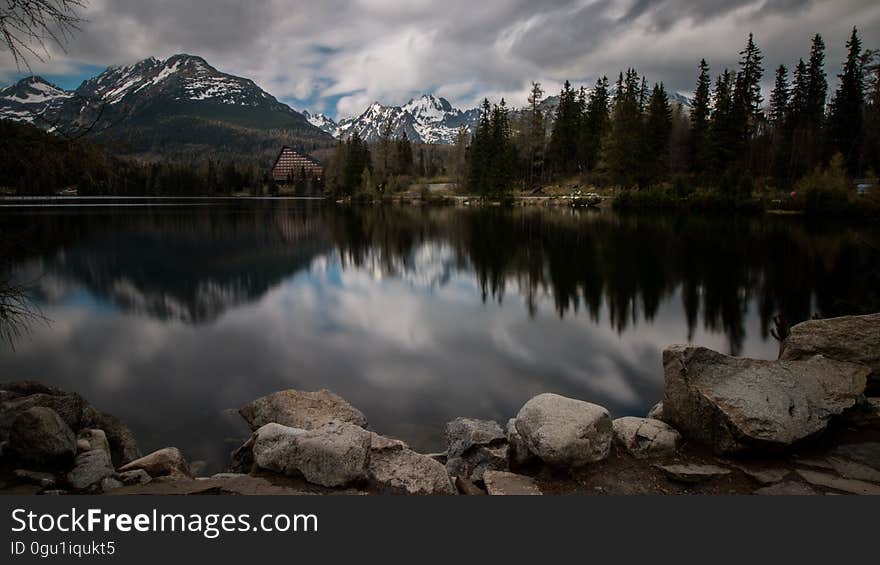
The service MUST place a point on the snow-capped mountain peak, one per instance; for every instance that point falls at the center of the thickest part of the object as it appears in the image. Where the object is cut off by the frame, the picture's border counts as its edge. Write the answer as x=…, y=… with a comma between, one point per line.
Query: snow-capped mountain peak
x=30, y=98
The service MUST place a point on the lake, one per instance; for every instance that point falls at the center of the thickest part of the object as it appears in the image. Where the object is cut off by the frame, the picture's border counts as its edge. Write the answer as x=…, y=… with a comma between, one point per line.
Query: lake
x=169, y=313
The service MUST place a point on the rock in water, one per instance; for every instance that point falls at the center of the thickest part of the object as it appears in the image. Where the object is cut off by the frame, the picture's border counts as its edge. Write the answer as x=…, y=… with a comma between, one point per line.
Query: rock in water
x=735, y=404
x=41, y=437
x=90, y=468
x=519, y=451
x=167, y=462
x=644, y=437
x=563, y=431
x=302, y=410
x=396, y=469
x=474, y=446
x=850, y=338
x=333, y=455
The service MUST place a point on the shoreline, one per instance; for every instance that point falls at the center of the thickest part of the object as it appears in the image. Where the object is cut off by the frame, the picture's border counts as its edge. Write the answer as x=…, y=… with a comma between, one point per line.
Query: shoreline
x=713, y=433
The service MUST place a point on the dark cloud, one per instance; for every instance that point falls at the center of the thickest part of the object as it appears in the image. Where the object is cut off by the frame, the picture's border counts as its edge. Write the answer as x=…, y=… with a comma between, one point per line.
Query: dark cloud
x=340, y=55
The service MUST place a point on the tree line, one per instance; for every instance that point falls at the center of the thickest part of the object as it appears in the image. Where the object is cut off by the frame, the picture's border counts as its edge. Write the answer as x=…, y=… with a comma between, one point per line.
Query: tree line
x=632, y=135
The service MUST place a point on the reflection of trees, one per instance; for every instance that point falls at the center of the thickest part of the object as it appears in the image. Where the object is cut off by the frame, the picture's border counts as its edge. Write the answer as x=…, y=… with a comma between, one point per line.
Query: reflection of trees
x=190, y=263
x=630, y=264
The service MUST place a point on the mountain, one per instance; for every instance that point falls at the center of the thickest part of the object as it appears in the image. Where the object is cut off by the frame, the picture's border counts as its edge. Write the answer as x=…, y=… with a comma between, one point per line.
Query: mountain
x=30, y=99
x=429, y=119
x=180, y=107
x=426, y=119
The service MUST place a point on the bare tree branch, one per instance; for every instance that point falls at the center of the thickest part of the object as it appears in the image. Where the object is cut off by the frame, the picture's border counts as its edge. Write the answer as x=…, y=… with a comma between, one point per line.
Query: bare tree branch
x=28, y=26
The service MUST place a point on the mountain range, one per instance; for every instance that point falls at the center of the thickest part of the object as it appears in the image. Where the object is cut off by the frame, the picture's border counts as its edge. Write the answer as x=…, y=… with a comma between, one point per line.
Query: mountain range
x=184, y=108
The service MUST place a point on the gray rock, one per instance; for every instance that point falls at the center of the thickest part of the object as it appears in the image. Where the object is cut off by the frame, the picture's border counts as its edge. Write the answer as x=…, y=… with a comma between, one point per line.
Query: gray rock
x=45, y=480
x=396, y=469
x=123, y=446
x=693, y=473
x=735, y=404
x=563, y=431
x=134, y=477
x=519, y=451
x=93, y=439
x=656, y=412
x=788, y=488
x=41, y=437
x=333, y=455
x=468, y=487
x=302, y=410
x=167, y=462
x=837, y=483
x=473, y=447
x=850, y=338
x=69, y=408
x=501, y=483
x=90, y=468
x=645, y=437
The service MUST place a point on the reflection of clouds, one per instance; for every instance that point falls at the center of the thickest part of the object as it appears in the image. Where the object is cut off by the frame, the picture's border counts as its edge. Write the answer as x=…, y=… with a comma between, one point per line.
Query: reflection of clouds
x=409, y=353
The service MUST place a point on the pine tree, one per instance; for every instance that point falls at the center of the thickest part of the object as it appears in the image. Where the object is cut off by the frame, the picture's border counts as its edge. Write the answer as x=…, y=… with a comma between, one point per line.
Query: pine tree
x=723, y=131
x=623, y=149
x=596, y=123
x=845, y=121
x=817, y=84
x=658, y=127
x=478, y=155
x=700, y=112
x=779, y=98
x=746, y=102
x=563, y=146
x=536, y=135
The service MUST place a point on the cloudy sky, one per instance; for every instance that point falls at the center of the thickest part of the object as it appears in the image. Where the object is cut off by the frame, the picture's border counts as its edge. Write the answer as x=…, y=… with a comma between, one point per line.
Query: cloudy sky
x=337, y=56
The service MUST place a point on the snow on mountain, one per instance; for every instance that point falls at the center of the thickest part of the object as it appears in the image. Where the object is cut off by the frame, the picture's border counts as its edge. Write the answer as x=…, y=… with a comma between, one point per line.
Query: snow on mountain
x=179, y=78
x=30, y=100
x=426, y=119
x=322, y=122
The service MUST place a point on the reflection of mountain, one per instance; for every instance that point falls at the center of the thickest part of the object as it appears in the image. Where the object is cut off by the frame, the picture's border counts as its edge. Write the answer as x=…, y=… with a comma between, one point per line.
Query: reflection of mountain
x=630, y=265
x=188, y=264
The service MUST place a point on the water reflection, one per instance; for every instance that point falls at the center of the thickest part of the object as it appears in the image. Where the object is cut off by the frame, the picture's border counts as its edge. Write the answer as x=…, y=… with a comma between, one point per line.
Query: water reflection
x=167, y=316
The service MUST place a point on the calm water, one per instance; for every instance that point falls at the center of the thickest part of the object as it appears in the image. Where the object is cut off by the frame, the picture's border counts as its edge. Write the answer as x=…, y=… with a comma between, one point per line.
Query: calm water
x=169, y=315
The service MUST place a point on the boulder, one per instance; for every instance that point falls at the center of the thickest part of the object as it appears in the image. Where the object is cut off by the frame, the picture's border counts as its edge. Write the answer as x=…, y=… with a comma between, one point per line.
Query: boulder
x=644, y=437
x=333, y=455
x=89, y=440
x=519, y=452
x=474, y=447
x=850, y=338
x=735, y=404
x=396, y=469
x=501, y=483
x=123, y=447
x=41, y=437
x=69, y=408
x=90, y=468
x=167, y=462
x=301, y=410
x=564, y=431
x=692, y=472
x=109, y=484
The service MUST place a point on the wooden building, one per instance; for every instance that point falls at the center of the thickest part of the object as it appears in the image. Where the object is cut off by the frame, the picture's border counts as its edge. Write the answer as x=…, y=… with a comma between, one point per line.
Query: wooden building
x=291, y=166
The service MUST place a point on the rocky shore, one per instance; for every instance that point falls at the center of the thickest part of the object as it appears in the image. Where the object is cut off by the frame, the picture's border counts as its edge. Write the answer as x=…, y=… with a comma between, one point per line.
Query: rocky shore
x=807, y=423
